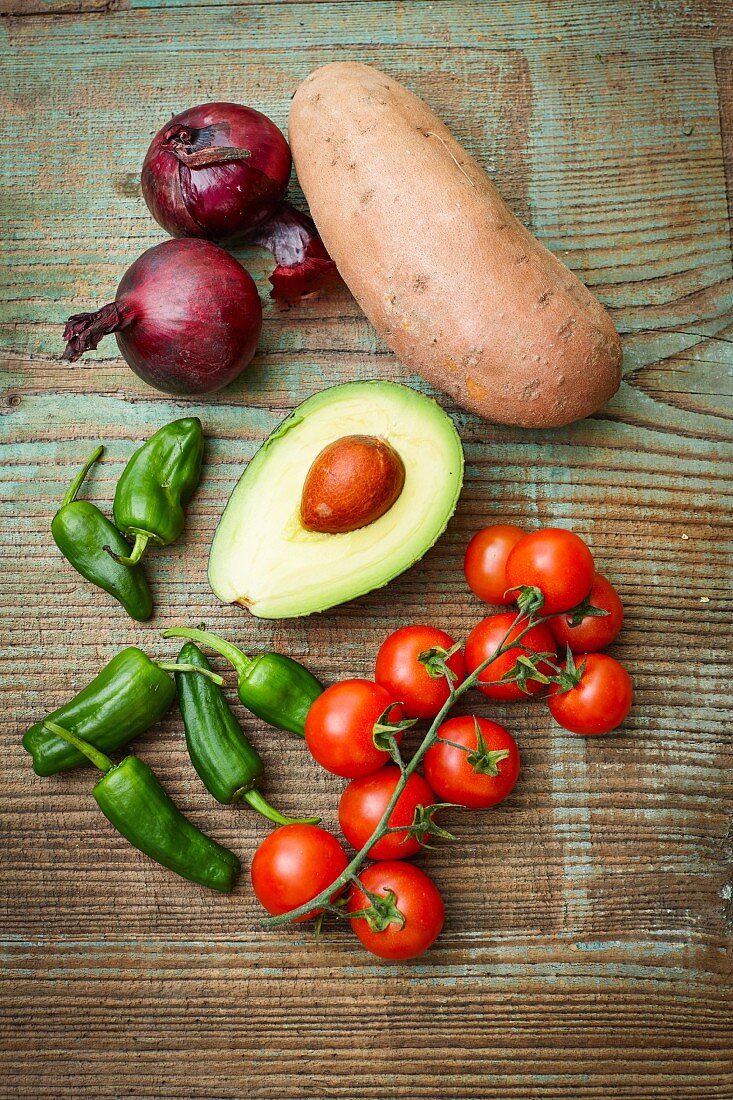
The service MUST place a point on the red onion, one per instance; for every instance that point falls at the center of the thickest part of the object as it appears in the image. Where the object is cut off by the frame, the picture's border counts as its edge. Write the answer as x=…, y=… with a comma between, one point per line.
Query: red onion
x=215, y=171
x=187, y=318
x=220, y=170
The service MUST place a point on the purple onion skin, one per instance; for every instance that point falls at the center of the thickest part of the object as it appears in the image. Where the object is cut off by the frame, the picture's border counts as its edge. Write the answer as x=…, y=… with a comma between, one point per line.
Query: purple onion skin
x=216, y=201
x=303, y=265
x=187, y=318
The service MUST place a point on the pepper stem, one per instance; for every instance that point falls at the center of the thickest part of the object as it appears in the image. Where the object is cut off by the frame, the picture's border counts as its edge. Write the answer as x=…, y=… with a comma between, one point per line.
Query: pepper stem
x=141, y=541
x=182, y=666
x=233, y=654
x=259, y=802
x=93, y=755
x=78, y=480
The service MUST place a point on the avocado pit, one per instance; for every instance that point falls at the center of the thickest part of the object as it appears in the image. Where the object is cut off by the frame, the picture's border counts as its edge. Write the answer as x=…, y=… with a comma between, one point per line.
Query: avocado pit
x=351, y=483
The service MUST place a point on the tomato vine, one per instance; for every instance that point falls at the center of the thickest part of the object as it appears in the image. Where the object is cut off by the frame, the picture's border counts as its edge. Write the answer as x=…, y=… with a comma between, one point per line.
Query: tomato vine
x=348, y=875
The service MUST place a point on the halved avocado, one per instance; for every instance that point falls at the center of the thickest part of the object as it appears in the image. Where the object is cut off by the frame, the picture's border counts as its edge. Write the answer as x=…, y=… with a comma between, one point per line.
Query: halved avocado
x=264, y=559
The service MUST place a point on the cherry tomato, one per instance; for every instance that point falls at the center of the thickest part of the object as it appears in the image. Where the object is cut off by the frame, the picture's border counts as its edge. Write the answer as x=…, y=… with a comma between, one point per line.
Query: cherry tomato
x=485, y=562
x=485, y=638
x=416, y=897
x=593, y=632
x=365, y=800
x=557, y=562
x=476, y=780
x=400, y=672
x=599, y=703
x=294, y=864
x=340, y=724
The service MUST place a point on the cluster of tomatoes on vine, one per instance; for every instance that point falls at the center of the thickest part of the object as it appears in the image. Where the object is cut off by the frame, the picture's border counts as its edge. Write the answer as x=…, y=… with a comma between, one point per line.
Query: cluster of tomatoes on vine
x=355, y=727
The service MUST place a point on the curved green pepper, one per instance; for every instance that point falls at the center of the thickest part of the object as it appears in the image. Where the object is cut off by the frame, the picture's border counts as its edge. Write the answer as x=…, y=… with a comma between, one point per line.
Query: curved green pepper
x=275, y=688
x=128, y=696
x=82, y=532
x=228, y=766
x=131, y=797
x=156, y=484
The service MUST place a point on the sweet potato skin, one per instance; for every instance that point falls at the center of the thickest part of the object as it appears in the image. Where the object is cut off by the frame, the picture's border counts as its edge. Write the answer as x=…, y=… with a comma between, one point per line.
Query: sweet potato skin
x=458, y=288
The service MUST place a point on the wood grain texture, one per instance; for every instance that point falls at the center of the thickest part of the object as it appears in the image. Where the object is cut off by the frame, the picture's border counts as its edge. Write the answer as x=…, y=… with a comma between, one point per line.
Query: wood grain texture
x=586, y=950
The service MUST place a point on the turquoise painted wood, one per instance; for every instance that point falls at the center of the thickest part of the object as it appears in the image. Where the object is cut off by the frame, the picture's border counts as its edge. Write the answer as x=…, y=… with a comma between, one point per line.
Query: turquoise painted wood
x=586, y=950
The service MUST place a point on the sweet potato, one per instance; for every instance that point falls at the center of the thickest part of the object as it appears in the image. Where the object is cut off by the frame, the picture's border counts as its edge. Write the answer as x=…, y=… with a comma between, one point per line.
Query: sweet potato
x=457, y=287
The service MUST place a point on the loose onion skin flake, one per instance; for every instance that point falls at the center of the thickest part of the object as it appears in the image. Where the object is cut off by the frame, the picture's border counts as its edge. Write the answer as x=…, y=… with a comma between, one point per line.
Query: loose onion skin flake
x=303, y=265
x=186, y=316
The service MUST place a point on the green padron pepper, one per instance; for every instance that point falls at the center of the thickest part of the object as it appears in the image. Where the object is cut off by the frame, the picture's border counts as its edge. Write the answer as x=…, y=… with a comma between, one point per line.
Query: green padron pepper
x=131, y=797
x=128, y=696
x=275, y=688
x=156, y=485
x=228, y=766
x=82, y=532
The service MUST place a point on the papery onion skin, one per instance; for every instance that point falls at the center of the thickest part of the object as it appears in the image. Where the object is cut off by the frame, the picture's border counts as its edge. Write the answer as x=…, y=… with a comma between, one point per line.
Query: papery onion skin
x=303, y=264
x=215, y=201
x=186, y=316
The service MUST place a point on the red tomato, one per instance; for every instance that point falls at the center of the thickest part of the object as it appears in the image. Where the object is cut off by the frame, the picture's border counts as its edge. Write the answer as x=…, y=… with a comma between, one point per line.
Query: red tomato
x=400, y=672
x=485, y=562
x=599, y=703
x=485, y=638
x=557, y=562
x=593, y=632
x=457, y=778
x=365, y=800
x=416, y=897
x=340, y=724
x=294, y=864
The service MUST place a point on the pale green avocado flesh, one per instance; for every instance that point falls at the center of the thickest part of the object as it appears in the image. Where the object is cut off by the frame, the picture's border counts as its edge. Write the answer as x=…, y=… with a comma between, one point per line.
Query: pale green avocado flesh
x=264, y=559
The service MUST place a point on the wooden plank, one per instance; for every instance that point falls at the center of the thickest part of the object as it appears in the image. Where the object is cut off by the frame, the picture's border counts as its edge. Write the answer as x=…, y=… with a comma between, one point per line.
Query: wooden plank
x=347, y=23
x=233, y=1025
x=586, y=952
x=48, y=8
x=724, y=80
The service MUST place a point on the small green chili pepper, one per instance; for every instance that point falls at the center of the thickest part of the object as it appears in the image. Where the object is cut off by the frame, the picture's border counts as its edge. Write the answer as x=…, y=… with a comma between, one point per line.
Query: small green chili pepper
x=82, y=532
x=131, y=797
x=276, y=688
x=128, y=696
x=228, y=766
x=156, y=484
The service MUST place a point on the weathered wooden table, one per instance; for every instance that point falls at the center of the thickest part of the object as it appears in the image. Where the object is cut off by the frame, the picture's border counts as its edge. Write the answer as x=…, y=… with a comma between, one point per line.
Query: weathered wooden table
x=585, y=952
